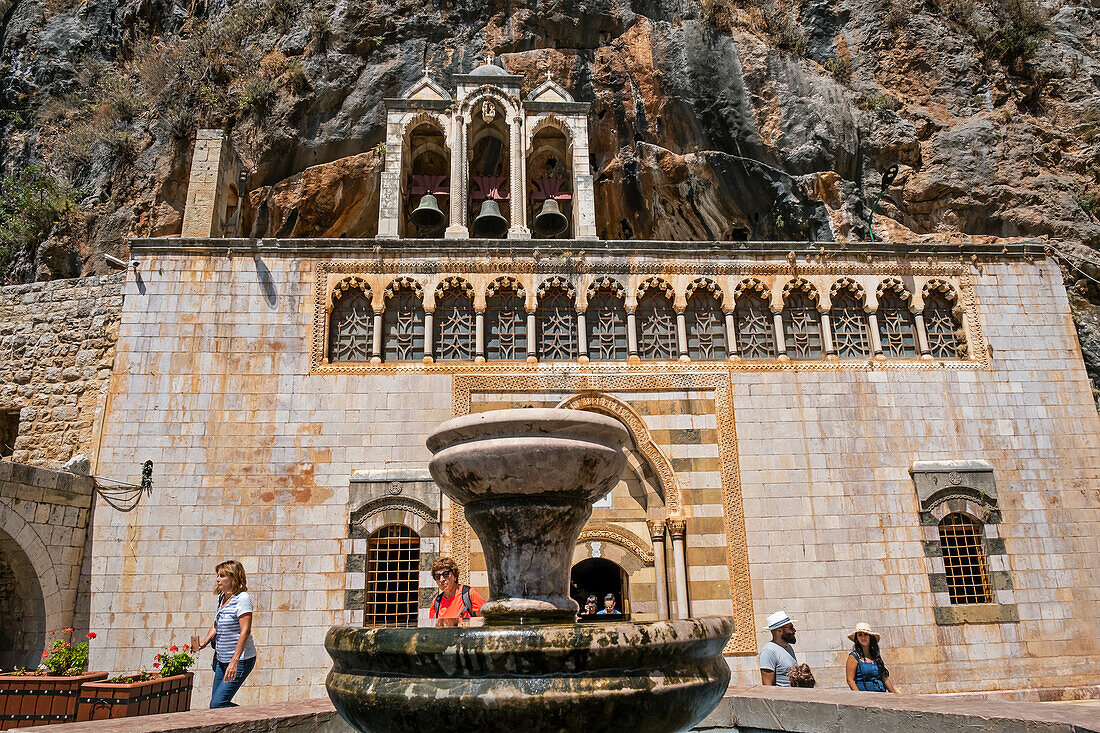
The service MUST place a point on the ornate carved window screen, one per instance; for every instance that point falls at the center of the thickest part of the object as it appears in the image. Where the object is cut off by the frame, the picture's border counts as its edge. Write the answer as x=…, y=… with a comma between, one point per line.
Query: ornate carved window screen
x=656, y=325
x=506, y=326
x=895, y=322
x=942, y=327
x=403, y=326
x=606, y=322
x=802, y=326
x=557, y=324
x=393, y=569
x=755, y=327
x=849, y=321
x=454, y=325
x=706, y=332
x=351, y=327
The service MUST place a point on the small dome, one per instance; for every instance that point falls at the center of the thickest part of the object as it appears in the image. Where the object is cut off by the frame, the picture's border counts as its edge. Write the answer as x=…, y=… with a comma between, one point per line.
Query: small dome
x=488, y=70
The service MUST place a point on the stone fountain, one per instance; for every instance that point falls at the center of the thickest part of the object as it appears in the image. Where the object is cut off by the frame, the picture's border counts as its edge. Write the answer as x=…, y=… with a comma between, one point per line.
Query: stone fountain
x=527, y=479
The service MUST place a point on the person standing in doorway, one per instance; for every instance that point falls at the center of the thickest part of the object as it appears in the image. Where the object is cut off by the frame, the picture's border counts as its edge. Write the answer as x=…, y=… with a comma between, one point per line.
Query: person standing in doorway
x=865, y=669
x=777, y=657
x=609, y=606
x=455, y=601
x=231, y=634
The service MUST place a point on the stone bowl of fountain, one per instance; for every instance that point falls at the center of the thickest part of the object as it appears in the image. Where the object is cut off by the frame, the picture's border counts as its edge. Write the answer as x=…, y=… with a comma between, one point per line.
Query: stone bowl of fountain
x=527, y=479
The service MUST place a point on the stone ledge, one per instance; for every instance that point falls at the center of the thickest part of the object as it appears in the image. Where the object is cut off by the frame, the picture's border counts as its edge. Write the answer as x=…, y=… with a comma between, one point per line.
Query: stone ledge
x=844, y=711
x=976, y=613
x=300, y=716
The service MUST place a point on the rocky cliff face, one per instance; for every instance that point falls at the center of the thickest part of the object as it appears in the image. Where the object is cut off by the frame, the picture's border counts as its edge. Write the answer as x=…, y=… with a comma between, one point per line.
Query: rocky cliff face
x=711, y=119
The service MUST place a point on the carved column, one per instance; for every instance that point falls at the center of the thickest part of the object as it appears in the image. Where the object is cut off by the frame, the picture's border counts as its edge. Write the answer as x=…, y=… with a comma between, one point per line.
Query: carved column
x=827, y=336
x=458, y=228
x=582, y=337
x=479, y=337
x=876, y=339
x=518, y=182
x=678, y=529
x=531, y=342
x=780, y=340
x=660, y=574
x=389, y=202
x=376, y=346
x=731, y=337
x=429, y=328
x=631, y=335
x=922, y=335
x=682, y=334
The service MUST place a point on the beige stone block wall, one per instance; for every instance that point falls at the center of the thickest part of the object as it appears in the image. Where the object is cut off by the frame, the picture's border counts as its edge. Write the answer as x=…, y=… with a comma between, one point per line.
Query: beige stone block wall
x=254, y=456
x=57, y=343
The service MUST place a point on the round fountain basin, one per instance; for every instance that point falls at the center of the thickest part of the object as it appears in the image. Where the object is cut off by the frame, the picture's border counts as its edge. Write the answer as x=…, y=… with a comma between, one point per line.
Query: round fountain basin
x=654, y=677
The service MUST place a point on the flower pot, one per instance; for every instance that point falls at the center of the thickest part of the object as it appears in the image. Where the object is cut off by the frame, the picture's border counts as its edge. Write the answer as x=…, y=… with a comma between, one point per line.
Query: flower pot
x=28, y=700
x=104, y=700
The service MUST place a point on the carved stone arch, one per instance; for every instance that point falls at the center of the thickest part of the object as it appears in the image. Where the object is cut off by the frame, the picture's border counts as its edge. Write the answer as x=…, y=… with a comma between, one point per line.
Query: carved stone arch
x=642, y=550
x=505, y=282
x=611, y=406
x=607, y=282
x=454, y=283
x=549, y=120
x=351, y=282
x=647, y=478
x=847, y=283
x=510, y=101
x=661, y=285
x=31, y=559
x=404, y=283
x=800, y=285
x=942, y=287
x=424, y=118
x=414, y=514
x=753, y=285
x=895, y=286
x=555, y=282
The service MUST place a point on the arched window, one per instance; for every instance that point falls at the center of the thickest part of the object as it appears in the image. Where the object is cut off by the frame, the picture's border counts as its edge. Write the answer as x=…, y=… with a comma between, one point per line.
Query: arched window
x=895, y=322
x=403, y=322
x=848, y=319
x=942, y=326
x=351, y=325
x=706, y=323
x=755, y=326
x=605, y=320
x=802, y=322
x=393, y=577
x=964, y=559
x=455, y=327
x=505, y=321
x=598, y=577
x=656, y=322
x=557, y=321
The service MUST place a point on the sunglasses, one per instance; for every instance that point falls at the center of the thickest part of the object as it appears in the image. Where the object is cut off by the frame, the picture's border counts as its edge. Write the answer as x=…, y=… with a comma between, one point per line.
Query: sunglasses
x=441, y=575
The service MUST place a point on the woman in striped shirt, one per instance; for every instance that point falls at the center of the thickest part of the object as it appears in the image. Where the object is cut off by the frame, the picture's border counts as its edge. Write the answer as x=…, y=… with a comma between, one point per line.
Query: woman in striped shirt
x=231, y=632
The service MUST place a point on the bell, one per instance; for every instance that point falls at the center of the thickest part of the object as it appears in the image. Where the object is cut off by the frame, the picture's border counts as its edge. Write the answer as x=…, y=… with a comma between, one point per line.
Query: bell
x=550, y=221
x=427, y=214
x=489, y=223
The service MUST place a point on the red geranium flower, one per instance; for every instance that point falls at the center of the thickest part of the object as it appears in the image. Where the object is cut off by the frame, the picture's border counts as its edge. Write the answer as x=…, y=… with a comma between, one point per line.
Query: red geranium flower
x=45, y=654
x=90, y=634
x=157, y=657
x=173, y=648
x=68, y=630
x=156, y=664
x=186, y=647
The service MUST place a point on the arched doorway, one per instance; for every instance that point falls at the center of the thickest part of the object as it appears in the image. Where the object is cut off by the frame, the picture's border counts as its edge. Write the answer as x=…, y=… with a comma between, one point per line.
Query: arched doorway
x=22, y=610
x=599, y=576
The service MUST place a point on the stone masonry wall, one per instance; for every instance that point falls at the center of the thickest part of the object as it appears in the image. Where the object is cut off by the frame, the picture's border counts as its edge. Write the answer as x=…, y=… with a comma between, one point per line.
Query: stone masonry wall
x=212, y=383
x=57, y=342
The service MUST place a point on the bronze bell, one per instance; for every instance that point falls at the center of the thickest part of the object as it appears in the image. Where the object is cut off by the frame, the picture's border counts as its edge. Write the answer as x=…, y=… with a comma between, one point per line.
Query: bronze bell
x=427, y=214
x=489, y=222
x=550, y=221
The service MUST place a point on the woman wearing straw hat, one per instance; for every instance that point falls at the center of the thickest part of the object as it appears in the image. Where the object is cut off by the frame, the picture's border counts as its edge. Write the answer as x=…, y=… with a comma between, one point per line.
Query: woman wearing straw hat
x=865, y=669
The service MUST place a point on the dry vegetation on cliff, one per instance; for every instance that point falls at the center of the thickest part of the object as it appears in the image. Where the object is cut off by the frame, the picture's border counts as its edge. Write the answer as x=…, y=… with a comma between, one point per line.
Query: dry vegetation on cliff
x=711, y=119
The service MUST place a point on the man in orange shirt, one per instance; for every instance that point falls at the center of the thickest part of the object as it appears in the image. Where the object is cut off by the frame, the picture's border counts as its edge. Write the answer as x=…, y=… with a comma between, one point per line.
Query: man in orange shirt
x=455, y=601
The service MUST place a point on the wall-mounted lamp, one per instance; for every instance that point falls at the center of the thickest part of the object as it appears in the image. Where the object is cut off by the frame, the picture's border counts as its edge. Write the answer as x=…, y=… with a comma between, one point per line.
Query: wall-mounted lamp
x=887, y=179
x=120, y=264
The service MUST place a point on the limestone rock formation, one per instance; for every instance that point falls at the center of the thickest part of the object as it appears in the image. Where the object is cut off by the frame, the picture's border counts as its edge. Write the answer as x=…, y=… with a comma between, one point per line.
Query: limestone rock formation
x=711, y=119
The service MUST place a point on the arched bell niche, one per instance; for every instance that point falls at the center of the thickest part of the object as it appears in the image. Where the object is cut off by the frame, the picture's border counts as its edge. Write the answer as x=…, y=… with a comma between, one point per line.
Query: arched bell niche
x=549, y=181
x=426, y=172
x=489, y=169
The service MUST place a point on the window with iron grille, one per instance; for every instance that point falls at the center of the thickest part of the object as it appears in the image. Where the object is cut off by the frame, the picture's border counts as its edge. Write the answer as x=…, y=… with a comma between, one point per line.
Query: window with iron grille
x=557, y=321
x=964, y=559
x=403, y=327
x=455, y=327
x=942, y=328
x=755, y=327
x=895, y=326
x=706, y=327
x=802, y=326
x=606, y=323
x=849, y=322
x=393, y=577
x=350, y=327
x=656, y=321
x=505, y=327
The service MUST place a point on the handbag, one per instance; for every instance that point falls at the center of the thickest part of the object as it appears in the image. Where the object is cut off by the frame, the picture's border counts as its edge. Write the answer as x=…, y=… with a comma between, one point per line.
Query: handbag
x=801, y=676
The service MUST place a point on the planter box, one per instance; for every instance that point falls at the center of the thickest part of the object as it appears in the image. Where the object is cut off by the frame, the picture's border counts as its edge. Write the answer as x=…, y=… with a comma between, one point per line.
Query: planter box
x=34, y=700
x=105, y=700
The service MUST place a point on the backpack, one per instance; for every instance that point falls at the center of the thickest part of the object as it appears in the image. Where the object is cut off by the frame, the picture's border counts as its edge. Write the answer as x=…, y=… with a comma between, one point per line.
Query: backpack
x=468, y=606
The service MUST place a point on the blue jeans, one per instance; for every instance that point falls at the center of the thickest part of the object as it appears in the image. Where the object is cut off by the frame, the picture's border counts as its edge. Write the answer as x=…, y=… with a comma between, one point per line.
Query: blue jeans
x=224, y=690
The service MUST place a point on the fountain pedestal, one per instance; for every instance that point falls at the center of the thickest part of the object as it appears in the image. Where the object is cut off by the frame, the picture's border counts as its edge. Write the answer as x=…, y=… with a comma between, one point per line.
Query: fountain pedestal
x=527, y=479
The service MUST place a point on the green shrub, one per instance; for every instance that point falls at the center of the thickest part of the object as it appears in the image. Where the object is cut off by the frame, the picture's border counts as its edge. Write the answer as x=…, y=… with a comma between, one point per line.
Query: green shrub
x=1019, y=28
x=31, y=200
x=256, y=92
x=785, y=32
x=840, y=67
x=1088, y=201
x=320, y=29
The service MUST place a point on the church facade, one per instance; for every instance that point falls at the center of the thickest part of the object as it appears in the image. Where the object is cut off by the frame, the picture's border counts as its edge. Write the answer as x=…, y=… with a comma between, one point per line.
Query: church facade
x=901, y=434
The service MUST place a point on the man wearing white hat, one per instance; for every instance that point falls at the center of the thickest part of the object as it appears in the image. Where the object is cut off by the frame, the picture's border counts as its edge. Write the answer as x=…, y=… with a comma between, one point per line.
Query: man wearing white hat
x=777, y=656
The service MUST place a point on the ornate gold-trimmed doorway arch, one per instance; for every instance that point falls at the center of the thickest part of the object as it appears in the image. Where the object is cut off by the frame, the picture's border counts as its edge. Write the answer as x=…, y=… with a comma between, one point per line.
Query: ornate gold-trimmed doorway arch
x=576, y=387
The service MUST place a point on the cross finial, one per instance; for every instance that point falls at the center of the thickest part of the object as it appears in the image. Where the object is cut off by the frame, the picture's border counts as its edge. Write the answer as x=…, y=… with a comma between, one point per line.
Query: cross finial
x=547, y=73
x=489, y=57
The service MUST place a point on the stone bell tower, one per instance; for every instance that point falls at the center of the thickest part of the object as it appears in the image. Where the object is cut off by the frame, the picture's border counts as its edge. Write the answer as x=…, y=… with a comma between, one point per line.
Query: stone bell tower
x=486, y=162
